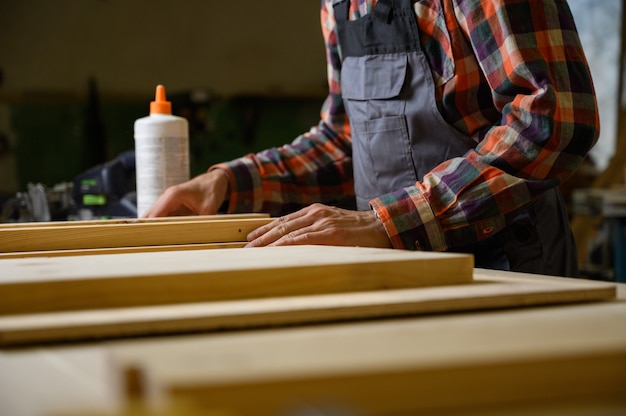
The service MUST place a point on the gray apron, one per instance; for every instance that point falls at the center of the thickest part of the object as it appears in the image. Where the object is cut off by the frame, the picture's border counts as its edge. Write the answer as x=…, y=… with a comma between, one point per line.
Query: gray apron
x=399, y=135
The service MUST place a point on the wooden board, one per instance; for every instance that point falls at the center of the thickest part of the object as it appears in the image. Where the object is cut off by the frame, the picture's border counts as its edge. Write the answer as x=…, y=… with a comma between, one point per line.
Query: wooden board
x=33, y=285
x=368, y=364
x=488, y=363
x=127, y=233
x=119, y=250
x=487, y=291
x=17, y=225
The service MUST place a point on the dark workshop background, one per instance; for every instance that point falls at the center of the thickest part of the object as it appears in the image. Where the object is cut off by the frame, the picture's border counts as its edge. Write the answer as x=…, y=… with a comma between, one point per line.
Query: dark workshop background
x=75, y=74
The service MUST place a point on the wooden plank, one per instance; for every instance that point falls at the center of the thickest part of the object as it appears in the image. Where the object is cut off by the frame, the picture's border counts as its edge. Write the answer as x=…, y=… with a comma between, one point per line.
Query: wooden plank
x=463, y=363
x=16, y=225
x=488, y=291
x=118, y=250
x=483, y=389
x=33, y=285
x=83, y=378
x=73, y=236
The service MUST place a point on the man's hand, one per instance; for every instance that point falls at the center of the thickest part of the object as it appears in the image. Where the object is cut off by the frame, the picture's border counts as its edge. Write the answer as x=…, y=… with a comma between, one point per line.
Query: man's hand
x=202, y=195
x=322, y=225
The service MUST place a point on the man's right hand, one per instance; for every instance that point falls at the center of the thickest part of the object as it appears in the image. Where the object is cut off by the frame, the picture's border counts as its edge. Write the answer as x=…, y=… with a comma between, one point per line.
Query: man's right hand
x=202, y=195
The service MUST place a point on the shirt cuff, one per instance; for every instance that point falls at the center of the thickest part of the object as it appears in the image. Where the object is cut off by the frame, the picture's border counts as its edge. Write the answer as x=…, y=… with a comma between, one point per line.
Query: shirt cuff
x=244, y=185
x=409, y=220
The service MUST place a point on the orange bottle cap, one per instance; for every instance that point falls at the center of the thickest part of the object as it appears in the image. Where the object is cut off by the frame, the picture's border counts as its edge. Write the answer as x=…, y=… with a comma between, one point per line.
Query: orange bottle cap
x=160, y=105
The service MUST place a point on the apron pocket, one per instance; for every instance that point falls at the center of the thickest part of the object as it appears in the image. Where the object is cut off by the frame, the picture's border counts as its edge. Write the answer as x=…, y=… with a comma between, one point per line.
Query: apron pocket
x=373, y=77
x=384, y=148
x=371, y=86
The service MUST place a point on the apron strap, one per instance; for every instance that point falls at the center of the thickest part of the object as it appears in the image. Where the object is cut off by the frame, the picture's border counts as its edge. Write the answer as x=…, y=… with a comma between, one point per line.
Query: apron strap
x=341, y=8
x=382, y=10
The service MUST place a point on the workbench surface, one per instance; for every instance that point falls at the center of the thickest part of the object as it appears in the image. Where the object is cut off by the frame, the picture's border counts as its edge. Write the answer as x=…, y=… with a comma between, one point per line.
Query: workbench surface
x=566, y=359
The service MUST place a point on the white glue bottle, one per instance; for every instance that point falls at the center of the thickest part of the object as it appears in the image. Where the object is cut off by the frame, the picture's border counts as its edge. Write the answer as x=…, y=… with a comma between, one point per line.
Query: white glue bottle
x=161, y=151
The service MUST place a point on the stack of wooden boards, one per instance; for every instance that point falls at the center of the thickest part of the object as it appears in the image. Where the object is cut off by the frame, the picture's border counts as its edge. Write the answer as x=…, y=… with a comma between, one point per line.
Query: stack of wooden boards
x=62, y=238
x=71, y=281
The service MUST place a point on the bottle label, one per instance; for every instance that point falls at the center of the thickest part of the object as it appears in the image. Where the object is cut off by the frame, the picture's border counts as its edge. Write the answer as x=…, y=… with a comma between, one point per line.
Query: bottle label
x=161, y=162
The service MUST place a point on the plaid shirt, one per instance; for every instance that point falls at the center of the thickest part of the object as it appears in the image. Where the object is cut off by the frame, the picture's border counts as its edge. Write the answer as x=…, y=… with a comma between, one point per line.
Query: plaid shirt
x=511, y=74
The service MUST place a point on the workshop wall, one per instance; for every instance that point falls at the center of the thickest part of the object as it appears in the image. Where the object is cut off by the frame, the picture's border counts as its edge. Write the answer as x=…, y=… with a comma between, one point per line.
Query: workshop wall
x=75, y=74
x=230, y=47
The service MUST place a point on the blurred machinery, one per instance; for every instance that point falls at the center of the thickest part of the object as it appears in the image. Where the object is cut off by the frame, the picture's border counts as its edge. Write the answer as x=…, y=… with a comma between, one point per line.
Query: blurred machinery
x=606, y=247
x=104, y=191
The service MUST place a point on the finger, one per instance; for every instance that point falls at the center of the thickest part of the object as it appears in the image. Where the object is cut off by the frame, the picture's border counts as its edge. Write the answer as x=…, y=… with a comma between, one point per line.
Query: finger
x=159, y=209
x=276, y=230
x=174, y=201
x=269, y=233
x=164, y=206
x=303, y=236
x=254, y=234
x=279, y=223
x=181, y=211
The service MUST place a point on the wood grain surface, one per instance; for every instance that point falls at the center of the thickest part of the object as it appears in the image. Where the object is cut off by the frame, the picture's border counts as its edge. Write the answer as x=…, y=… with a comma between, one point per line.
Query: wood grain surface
x=42, y=284
x=486, y=291
x=126, y=233
x=218, y=217
x=119, y=250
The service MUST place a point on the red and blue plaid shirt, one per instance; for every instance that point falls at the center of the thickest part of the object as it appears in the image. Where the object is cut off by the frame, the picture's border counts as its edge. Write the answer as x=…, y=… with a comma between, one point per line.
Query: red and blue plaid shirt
x=511, y=74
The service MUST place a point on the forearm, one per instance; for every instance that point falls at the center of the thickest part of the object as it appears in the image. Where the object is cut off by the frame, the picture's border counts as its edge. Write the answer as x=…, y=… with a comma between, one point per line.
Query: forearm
x=316, y=167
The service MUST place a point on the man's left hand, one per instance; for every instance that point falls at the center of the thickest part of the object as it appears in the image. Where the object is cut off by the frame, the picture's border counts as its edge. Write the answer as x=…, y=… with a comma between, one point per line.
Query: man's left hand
x=320, y=224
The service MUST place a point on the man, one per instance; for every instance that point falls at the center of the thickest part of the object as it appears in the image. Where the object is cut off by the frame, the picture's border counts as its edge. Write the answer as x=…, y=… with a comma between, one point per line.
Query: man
x=452, y=123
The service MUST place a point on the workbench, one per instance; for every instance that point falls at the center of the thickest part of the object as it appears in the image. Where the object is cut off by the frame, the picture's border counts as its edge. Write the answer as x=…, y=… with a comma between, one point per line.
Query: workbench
x=567, y=359
x=293, y=331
